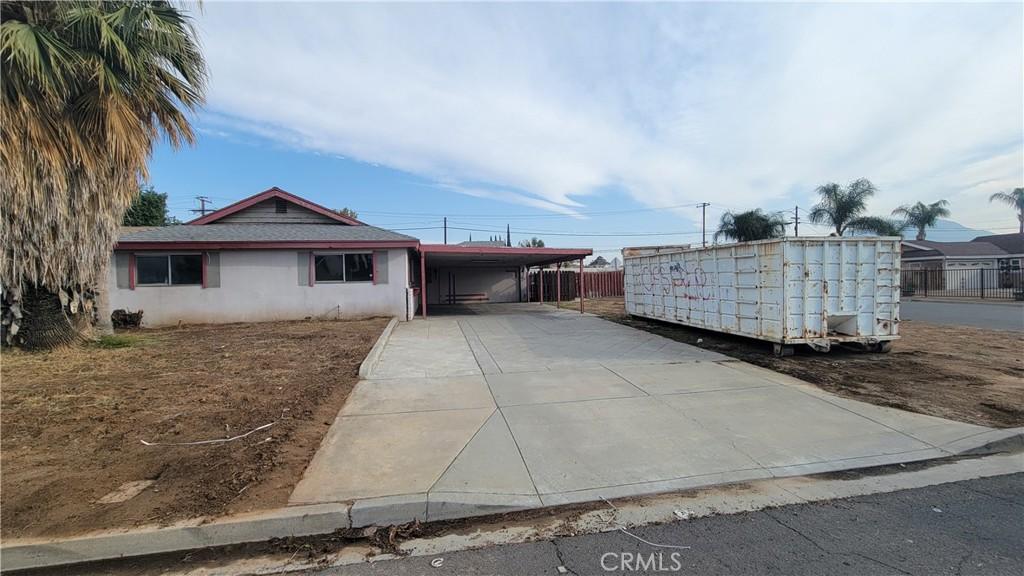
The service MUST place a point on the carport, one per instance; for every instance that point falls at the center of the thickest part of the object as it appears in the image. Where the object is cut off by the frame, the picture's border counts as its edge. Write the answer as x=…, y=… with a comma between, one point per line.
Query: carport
x=452, y=274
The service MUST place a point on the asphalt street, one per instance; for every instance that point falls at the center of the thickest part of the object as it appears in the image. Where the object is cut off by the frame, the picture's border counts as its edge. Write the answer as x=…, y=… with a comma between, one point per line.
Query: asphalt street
x=1003, y=316
x=964, y=528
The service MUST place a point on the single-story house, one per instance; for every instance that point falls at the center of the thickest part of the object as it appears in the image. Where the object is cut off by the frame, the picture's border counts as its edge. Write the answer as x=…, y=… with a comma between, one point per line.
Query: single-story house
x=948, y=264
x=276, y=256
x=999, y=251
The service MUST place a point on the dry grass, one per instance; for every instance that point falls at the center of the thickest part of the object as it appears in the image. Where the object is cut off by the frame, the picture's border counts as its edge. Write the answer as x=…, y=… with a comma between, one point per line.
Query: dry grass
x=74, y=418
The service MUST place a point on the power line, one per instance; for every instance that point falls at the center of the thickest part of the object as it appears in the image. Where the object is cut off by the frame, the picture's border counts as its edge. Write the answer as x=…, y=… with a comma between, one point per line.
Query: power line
x=552, y=233
x=572, y=215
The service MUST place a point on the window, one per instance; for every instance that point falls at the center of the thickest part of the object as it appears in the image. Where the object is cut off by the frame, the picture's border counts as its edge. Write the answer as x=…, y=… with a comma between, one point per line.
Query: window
x=330, y=268
x=344, y=267
x=359, y=267
x=172, y=269
x=152, y=269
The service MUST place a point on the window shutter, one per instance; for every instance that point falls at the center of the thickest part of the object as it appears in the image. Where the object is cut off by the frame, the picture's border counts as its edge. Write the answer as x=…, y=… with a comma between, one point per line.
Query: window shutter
x=212, y=269
x=123, y=269
x=380, y=267
x=303, y=268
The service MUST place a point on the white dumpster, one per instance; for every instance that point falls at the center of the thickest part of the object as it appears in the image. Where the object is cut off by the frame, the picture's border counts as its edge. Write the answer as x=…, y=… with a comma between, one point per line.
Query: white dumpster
x=814, y=291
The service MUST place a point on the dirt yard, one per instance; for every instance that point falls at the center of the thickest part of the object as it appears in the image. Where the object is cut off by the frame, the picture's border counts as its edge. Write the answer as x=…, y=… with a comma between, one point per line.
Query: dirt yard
x=955, y=372
x=74, y=421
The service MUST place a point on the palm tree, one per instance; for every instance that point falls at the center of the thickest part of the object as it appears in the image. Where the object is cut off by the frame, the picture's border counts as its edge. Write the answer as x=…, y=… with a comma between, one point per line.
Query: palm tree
x=922, y=215
x=1015, y=200
x=88, y=87
x=751, y=225
x=878, y=226
x=842, y=207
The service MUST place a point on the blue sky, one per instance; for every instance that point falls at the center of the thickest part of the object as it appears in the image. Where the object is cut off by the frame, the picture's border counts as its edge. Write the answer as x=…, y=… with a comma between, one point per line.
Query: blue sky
x=603, y=119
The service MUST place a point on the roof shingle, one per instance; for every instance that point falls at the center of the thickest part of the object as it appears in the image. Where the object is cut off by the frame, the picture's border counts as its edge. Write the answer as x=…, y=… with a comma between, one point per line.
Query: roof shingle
x=263, y=233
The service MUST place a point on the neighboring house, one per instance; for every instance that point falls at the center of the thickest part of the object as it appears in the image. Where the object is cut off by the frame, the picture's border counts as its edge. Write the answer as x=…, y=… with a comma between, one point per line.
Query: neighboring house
x=276, y=256
x=598, y=262
x=1001, y=253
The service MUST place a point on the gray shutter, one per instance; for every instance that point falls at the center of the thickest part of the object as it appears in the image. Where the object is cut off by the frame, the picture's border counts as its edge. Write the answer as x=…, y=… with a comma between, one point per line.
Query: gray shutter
x=380, y=263
x=212, y=269
x=123, y=269
x=303, y=268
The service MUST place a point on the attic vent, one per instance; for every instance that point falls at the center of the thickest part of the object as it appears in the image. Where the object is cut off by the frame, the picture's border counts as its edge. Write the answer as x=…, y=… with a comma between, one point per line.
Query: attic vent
x=280, y=206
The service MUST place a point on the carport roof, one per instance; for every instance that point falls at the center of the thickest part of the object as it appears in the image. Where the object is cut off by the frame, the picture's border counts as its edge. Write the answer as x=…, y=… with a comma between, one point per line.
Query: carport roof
x=456, y=254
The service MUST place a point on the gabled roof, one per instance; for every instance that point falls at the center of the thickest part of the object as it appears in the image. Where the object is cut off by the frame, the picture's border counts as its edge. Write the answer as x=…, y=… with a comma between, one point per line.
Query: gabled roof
x=957, y=249
x=1011, y=243
x=274, y=192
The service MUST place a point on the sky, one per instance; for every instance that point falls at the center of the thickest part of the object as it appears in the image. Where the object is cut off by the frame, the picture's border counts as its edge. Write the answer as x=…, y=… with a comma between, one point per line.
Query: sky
x=603, y=125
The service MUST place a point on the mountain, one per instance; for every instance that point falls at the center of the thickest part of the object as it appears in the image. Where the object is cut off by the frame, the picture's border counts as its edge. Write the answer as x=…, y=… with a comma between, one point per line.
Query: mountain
x=948, y=231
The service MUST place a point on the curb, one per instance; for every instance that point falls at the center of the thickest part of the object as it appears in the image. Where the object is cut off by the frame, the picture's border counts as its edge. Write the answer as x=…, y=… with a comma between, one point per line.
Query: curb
x=241, y=529
x=315, y=519
x=941, y=300
x=370, y=362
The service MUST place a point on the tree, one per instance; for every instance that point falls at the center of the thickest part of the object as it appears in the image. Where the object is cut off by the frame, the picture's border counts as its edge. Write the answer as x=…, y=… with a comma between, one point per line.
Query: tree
x=348, y=213
x=1015, y=200
x=531, y=243
x=840, y=207
x=88, y=87
x=922, y=215
x=878, y=226
x=148, y=209
x=751, y=225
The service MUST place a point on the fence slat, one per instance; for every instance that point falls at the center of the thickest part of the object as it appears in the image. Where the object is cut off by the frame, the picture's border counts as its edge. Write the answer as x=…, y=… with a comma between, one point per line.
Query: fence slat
x=599, y=284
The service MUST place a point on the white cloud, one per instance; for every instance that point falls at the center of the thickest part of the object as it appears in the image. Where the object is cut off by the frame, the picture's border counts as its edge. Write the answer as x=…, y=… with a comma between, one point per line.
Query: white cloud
x=544, y=104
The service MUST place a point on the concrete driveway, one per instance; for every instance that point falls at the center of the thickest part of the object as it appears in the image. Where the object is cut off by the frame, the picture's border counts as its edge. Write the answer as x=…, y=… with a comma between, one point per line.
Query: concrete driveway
x=524, y=406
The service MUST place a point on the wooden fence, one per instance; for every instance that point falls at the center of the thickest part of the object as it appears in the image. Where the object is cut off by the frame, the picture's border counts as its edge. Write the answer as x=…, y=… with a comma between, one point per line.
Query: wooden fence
x=598, y=284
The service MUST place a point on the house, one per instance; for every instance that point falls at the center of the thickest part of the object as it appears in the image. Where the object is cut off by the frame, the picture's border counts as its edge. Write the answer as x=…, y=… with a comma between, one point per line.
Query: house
x=276, y=256
x=992, y=261
x=998, y=251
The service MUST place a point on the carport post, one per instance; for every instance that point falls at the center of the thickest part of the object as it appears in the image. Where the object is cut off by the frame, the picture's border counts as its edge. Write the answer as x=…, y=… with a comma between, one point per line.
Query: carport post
x=540, y=280
x=583, y=285
x=558, y=286
x=423, y=284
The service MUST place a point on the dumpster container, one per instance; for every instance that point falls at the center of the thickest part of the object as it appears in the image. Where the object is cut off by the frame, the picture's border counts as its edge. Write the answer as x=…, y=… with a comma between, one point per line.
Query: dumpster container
x=788, y=291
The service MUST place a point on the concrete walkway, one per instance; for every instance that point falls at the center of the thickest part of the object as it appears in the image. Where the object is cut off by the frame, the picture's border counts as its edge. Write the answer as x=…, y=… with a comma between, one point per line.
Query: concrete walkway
x=526, y=406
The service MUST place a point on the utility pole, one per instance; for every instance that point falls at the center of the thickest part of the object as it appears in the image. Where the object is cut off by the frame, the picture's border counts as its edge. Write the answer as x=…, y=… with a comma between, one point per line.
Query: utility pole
x=703, y=233
x=796, y=221
x=202, y=206
x=445, y=229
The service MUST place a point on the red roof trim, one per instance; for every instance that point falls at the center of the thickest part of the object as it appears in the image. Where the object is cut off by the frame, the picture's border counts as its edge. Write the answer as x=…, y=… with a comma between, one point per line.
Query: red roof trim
x=265, y=245
x=274, y=192
x=456, y=249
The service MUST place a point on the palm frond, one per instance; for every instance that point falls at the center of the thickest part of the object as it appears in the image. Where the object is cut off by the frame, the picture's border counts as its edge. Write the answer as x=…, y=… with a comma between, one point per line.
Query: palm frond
x=88, y=87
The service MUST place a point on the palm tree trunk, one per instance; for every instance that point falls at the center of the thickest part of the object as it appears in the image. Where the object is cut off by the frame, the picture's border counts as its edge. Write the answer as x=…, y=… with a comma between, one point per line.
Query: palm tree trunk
x=104, y=325
x=45, y=324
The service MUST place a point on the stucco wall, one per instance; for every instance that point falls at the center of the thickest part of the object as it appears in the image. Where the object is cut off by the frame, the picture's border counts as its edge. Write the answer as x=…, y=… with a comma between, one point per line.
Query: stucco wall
x=499, y=283
x=261, y=285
